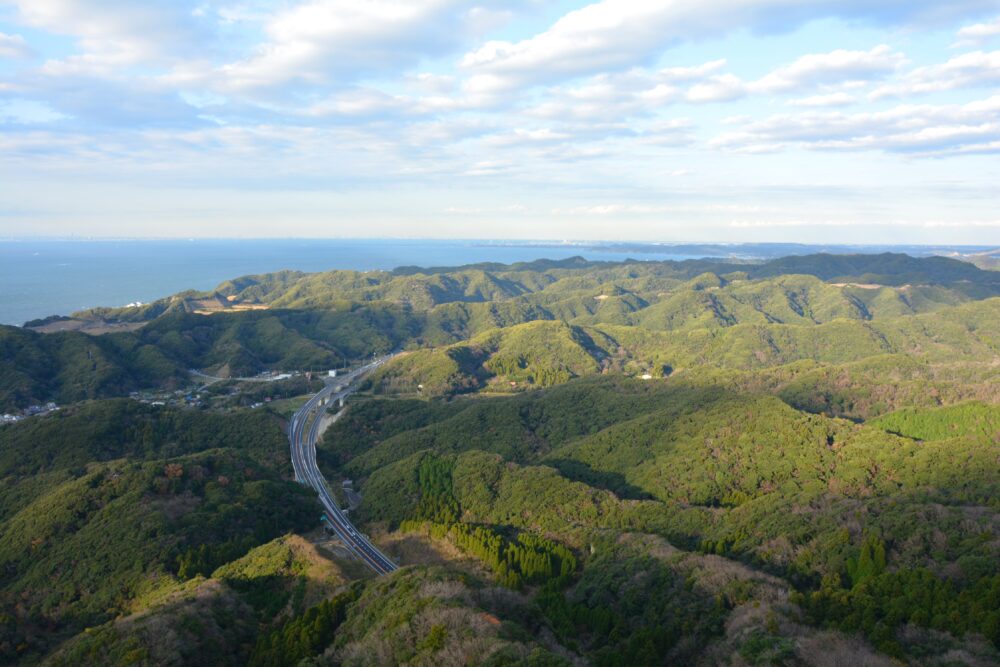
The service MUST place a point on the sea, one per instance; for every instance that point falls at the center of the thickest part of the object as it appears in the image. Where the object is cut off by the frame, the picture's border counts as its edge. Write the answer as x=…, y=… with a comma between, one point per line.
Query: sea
x=42, y=278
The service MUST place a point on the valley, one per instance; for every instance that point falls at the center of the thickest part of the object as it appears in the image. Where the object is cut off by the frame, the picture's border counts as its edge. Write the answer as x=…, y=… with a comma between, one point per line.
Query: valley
x=558, y=463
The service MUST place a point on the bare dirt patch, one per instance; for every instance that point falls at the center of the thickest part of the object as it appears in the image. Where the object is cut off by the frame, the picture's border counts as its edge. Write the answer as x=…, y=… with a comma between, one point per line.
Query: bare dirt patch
x=416, y=549
x=91, y=327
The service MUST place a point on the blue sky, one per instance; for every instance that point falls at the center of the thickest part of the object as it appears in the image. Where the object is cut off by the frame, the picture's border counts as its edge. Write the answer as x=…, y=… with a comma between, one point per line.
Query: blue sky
x=665, y=120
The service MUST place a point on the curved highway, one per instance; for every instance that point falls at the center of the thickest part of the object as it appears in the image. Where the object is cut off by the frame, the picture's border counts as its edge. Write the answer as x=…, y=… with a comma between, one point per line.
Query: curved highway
x=302, y=434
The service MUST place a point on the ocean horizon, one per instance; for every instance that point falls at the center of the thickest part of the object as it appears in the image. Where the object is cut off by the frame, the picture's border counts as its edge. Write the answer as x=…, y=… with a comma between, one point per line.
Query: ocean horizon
x=40, y=278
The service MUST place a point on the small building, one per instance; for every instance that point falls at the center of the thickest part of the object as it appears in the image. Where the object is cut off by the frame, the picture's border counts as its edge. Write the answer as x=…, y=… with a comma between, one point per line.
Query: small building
x=647, y=376
x=332, y=373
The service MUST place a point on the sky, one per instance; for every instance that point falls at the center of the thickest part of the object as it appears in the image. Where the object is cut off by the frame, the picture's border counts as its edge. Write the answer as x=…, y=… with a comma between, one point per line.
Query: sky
x=852, y=121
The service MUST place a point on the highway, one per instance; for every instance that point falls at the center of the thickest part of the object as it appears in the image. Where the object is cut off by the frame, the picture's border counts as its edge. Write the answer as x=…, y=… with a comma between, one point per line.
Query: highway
x=302, y=434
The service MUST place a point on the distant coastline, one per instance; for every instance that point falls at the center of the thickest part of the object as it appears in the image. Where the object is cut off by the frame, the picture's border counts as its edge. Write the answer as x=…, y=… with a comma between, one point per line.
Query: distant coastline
x=42, y=278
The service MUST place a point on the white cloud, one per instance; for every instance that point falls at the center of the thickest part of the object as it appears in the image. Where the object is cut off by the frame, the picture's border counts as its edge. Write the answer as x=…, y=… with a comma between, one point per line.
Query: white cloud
x=323, y=40
x=968, y=70
x=613, y=209
x=638, y=91
x=839, y=99
x=979, y=32
x=604, y=36
x=920, y=130
x=489, y=168
x=427, y=82
x=515, y=209
x=673, y=132
x=617, y=34
x=119, y=45
x=835, y=67
x=849, y=222
x=114, y=33
x=366, y=102
x=959, y=223
x=766, y=223
x=658, y=209
x=527, y=137
x=243, y=12
x=607, y=97
x=719, y=88
x=13, y=46
x=443, y=133
x=643, y=92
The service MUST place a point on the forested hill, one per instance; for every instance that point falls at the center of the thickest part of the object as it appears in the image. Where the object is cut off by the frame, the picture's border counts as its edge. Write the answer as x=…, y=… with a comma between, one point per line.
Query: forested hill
x=623, y=316
x=576, y=463
x=546, y=281
x=886, y=268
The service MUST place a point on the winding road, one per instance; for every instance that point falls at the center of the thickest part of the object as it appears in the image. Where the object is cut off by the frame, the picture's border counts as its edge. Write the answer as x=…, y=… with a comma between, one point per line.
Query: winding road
x=303, y=433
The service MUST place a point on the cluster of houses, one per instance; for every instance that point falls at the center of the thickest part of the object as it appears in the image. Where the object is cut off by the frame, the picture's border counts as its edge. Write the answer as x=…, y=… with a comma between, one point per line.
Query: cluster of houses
x=175, y=398
x=178, y=398
x=30, y=411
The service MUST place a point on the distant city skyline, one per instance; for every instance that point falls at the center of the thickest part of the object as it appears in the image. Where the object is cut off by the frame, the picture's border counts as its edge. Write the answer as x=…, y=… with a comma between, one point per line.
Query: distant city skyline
x=833, y=121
